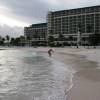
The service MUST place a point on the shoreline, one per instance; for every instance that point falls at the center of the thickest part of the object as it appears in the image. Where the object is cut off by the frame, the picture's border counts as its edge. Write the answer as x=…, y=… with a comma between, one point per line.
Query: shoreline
x=86, y=86
x=86, y=81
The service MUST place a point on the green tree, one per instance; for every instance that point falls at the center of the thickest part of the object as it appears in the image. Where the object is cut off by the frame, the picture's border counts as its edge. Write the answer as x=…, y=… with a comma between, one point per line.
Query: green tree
x=17, y=41
x=8, y=39
x=0, y=40
x=12, y=41
x=62, y=39
x=3, y=40
x=94, y=39
x=28, y=38
x=51, y=40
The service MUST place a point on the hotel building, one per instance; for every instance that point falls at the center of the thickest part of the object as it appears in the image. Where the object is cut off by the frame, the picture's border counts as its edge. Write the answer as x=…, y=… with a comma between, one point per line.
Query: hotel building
x=74, y=25
x=69, y=22
x=36, y=34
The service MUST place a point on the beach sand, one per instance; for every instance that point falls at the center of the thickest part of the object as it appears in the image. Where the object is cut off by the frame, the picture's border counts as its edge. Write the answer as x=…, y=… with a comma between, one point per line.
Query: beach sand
x=86, y=86
x=86, y=81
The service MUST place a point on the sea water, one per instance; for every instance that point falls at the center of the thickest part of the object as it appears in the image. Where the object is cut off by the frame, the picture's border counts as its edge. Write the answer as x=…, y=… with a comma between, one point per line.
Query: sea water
x=29, y=75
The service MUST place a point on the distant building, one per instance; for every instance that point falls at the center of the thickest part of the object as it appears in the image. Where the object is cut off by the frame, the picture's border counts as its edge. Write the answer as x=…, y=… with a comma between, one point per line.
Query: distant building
x=69, y=22
x=36, y=34
x=66, y=27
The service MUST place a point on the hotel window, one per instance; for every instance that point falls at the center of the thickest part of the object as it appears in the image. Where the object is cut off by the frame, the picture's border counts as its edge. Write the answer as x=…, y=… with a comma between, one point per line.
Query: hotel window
x=96, y=9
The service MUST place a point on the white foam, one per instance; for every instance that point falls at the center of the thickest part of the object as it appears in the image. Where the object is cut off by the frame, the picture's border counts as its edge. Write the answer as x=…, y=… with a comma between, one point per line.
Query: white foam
x=33, y=54
x=63, y=75
x=92, y=55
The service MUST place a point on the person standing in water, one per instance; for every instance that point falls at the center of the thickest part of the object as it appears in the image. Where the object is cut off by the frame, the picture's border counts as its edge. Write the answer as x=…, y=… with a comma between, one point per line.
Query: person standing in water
x=50, y=52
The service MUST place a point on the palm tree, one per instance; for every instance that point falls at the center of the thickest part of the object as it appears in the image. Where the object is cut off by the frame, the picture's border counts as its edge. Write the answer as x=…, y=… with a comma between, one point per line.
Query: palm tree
x=3, y=40
x=8, y=39
x=12, y=41
x=0, y=40
x=28, y=38
x=61, y=38
x=17, y=41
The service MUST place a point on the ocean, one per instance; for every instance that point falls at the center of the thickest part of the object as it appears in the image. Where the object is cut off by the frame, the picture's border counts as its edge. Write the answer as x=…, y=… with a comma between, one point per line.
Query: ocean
x=26, y=74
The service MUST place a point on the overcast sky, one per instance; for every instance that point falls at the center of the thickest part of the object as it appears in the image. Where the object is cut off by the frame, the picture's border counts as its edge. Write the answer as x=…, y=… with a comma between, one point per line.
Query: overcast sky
x=20, y=13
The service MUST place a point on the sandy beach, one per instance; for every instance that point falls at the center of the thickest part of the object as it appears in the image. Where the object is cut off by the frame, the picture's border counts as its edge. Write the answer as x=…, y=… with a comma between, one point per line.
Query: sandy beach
x=86, y=81
x=86, y=86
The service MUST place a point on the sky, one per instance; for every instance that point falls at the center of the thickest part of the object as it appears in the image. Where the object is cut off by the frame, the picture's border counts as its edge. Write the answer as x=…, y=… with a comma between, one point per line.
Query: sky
x=15, y=14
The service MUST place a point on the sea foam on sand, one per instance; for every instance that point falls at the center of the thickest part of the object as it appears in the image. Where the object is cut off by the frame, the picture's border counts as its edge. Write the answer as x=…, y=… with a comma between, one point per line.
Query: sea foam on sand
x=62, y=74
x=92, y=55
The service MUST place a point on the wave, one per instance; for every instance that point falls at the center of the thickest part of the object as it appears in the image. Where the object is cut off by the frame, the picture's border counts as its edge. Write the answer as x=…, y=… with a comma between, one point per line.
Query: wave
x=62, y=76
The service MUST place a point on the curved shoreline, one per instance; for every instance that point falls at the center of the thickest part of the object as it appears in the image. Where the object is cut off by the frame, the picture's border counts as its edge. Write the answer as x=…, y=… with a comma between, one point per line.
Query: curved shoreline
x=86, y=81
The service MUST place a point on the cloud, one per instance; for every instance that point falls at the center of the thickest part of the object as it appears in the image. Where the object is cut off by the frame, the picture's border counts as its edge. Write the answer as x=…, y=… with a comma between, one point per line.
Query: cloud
x=10, y=21
x=35, y=11
x=27, y=11
x=11, y=31
x=32, y=11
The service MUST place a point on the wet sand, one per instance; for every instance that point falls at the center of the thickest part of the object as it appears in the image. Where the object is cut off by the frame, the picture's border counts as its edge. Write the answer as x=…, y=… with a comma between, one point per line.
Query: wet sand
x=86, y=86
x=86, y=81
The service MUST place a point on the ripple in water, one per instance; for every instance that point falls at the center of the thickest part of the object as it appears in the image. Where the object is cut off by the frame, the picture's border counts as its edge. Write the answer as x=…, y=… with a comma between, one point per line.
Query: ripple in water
x=27, y=75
